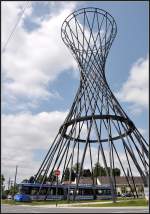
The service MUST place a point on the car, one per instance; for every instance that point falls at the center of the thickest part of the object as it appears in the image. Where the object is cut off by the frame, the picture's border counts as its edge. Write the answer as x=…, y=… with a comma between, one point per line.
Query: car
x=128, y=194
x=9, y=197
x=22, y=197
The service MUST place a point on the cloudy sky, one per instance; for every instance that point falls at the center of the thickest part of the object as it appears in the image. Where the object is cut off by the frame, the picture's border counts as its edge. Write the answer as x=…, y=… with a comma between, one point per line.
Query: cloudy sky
x=40, y=77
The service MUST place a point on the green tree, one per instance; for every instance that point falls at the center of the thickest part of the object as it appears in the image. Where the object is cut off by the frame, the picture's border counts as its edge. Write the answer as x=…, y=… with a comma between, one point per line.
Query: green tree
x=87, y=173
x=116, y=172
x=31, y=179
x=13, y=190
x=6, y=192
x=2, y=179
x=98, y=170
x=52, y=178
x=73, y=175
x=43, y=179
x=101, y=171
x=76, y=167
x=66, y=174
x=2, y=184
x=25, y=181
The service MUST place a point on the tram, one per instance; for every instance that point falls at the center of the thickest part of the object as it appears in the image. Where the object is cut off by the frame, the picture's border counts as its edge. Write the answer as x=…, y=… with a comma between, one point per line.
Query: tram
x=62, y=191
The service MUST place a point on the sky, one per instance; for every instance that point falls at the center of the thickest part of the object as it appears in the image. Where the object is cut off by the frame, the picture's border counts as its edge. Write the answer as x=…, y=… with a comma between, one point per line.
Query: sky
x=40, y=77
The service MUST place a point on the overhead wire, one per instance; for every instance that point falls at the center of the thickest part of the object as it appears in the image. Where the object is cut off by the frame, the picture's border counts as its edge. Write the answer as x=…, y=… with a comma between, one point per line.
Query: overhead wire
x=15, y=26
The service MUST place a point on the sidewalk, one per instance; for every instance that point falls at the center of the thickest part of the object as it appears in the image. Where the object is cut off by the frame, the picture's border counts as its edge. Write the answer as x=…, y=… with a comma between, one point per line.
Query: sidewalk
x=76, y=204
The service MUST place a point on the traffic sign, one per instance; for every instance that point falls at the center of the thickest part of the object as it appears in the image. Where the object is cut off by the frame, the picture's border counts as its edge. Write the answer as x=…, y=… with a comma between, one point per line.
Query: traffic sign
x=57, y=172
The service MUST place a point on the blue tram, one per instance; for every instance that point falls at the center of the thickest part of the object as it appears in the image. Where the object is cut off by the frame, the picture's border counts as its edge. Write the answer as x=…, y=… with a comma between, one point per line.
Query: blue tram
x=84, y=191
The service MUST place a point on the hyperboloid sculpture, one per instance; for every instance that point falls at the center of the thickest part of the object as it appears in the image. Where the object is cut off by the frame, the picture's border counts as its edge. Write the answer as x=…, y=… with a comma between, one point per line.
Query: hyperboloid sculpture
x=96, y=130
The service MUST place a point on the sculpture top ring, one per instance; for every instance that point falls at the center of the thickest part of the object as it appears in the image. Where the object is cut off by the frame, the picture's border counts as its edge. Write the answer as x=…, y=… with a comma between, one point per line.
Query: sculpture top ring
x=89, y=30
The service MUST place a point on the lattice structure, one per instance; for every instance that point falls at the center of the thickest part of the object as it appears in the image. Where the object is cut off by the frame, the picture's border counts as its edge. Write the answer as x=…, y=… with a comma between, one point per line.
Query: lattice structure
x=96, y=129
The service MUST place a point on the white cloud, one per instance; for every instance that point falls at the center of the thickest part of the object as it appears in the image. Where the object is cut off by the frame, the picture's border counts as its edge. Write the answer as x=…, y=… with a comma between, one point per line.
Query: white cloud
x=145, y=133
x=14, y=10
x=24, y=133
x=33, y=59
x=135, y=89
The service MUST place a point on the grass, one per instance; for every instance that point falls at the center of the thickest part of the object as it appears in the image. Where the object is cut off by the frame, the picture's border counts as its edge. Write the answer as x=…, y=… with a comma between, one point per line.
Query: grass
x=12, y=202
x=124, y=202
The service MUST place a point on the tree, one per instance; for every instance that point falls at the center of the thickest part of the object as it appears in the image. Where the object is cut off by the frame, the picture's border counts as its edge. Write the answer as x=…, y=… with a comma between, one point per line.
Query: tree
x=2, y=184
x=52, y=178
x=67, y=175
x=42, y=178
x=76, y=167
x=31, y=179
x=87, y=173
x=6, y=192
x=116, y=172
x=73, y=175
x=98, y=170
x=101, y=171
x=13, y=190
x=25, y=181
x=2, y=179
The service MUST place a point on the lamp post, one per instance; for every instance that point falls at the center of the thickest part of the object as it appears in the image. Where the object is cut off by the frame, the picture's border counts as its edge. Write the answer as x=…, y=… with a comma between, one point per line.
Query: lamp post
x=15, y=181
x=9, y=184
x=57, y=173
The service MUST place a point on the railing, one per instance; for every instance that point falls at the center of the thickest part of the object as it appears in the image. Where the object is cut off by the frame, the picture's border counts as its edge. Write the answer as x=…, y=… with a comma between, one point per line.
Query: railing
x=49, y=197
x=82, y=197
x=78, y=197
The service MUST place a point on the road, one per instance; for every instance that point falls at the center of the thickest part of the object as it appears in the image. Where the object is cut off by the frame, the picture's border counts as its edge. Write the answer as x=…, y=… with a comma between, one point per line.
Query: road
x=42, y=209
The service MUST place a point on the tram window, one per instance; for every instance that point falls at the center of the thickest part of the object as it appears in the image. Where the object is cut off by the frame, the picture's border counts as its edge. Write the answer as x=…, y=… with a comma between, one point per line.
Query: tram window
x=43, y=191
x=107, y=192
x=25, y=190
x=104, y=192
x=34, y=191
x=100, y=192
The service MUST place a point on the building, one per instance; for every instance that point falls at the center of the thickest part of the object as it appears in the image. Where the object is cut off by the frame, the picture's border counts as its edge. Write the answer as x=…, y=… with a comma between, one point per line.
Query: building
x=122, y=185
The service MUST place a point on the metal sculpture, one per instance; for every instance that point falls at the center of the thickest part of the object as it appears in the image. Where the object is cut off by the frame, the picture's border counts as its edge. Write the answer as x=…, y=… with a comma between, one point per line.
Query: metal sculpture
x=96, y=129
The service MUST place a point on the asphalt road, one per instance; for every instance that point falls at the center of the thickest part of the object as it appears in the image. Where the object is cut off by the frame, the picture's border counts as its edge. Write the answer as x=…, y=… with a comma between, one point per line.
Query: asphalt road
x=37, y=209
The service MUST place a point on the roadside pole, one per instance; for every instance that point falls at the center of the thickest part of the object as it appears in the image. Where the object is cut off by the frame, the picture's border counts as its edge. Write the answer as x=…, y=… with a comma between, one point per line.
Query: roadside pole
x=146, y=185
x=56, y=189
x=15, y=181
x=57, y=173
x=9, y=184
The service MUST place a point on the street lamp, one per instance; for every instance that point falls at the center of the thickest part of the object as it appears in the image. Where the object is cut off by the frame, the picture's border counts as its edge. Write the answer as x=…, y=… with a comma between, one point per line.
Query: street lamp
x=57, y=173
x=15, y=181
